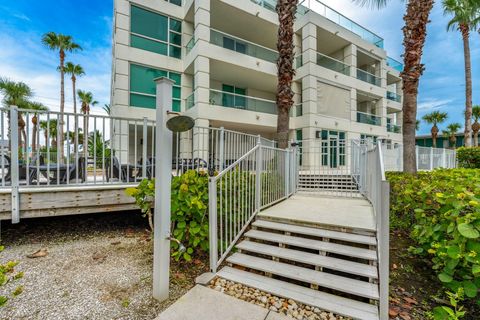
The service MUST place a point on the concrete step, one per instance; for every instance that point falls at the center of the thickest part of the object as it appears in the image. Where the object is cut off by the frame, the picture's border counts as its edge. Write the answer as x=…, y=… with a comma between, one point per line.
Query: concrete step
x=313, y=244
x=325, y=280
x=354, y=268
x=325, y=301
x=316, y=232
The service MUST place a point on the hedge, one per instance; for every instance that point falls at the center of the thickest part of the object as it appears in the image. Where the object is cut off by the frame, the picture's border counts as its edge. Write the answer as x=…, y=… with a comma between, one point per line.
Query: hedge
x=469, y=157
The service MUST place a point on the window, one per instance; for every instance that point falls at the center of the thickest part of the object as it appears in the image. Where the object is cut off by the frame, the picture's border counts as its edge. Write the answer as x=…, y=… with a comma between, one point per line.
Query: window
x=235, y=99
x=155, y=32
x=333, y=148
x=176, y=2
x=365, y=137
x=143, y=90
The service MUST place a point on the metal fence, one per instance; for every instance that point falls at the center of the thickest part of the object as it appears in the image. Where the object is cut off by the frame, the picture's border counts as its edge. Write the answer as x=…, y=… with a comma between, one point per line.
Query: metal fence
x=325, y=167
x=260, y=178
x=427, y=158
x=368, y=170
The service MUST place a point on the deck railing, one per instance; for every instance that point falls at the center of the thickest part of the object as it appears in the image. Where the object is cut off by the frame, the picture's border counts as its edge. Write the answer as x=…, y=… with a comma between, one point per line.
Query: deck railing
x=243, y=102
x=369, y=172
x=369, y=77
x=333, y=64
x=428, y=159
x=260, y=178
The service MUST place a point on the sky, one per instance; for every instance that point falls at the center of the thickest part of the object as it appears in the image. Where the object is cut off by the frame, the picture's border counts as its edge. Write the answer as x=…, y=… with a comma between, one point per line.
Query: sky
x=89, y=22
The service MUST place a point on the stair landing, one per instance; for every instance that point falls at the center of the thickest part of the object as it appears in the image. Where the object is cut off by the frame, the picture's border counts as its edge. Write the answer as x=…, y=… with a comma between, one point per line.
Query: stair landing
x=308, y=209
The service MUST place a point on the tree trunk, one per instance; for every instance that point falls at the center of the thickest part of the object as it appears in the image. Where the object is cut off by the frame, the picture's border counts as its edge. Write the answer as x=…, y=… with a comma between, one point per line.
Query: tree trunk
x=434, y=136
x=75, y=126
x=62, y=105
x=475, y=130
x=286, y=10
x=468, y=84
x=85, y=133
x=34, y=132
x=415, y=32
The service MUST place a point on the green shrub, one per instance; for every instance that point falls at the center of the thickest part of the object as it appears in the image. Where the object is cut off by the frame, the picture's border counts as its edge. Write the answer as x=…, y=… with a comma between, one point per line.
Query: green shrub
x=469, y=157
x=7, y=275
x=442, y=208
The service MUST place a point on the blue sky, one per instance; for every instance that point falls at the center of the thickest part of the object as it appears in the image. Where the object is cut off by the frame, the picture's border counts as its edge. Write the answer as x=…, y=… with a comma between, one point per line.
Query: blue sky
x=23, y=58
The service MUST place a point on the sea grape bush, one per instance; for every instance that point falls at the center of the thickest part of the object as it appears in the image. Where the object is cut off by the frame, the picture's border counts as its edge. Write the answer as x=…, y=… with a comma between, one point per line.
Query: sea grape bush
x=442, y=208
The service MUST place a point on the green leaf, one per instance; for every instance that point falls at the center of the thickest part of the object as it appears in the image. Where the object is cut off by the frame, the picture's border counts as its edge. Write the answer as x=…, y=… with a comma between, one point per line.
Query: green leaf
x=471, y=289
x=3, y=300
x=476, y=269
x=453, y=252
x=445, y=277
x=439, y=313
x=468, y=231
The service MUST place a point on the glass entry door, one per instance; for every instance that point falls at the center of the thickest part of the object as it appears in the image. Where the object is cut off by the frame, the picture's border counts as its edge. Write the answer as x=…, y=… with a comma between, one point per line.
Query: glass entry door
x=333, y=148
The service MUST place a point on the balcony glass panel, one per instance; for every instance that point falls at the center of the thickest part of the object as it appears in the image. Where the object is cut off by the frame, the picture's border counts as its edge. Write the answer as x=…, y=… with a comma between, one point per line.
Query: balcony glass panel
x=333, y=64
x=395, y=64
x=393, y=128
x=190, y=45
x=190, y=102
x=238, y=101
x=332, y=15
x=368, y=77
x=242, y=46
x=369, y=119
x=296, y=111
x=393, y=96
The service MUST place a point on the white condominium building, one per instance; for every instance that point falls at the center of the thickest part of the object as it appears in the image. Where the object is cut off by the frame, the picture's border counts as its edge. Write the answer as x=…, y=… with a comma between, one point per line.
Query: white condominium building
x=222, y=56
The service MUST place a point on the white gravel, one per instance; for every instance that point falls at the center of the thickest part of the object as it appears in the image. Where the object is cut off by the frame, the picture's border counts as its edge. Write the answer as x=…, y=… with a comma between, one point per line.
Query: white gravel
x=95, y=269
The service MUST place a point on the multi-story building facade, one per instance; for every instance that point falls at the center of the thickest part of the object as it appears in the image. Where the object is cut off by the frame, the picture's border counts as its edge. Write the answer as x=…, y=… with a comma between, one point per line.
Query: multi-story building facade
x=221, y=55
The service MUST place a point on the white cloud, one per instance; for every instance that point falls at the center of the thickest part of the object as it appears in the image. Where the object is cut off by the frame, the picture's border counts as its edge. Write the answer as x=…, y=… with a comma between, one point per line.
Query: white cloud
x=433, y=103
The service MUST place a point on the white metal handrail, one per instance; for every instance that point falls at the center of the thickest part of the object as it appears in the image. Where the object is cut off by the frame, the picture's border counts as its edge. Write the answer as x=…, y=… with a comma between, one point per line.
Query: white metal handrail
x=260, y=178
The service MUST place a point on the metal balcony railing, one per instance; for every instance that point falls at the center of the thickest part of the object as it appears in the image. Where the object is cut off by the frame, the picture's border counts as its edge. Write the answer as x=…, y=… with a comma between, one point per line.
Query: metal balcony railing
x=393, y=96
x=395, y=64
x=233, y=43
x=333, y=64
x=368, y=118
x=368, y=77
x=238, y=101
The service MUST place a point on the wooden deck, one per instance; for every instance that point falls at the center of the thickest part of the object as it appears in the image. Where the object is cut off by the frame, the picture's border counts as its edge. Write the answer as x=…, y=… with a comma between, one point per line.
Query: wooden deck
x=46, y=201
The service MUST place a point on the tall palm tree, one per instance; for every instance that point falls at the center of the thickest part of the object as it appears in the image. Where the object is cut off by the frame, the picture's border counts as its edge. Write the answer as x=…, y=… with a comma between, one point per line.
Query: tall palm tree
x=435, y=118
x=464, y=20
x=416, y=20
x=107, y=109
x=62, y=43
x=74, y=70
x=476, y=124
x=15, y=94
x=286, y=10
x=86, y=98
x=451, y=133
x=50, y=131
x=37, y=106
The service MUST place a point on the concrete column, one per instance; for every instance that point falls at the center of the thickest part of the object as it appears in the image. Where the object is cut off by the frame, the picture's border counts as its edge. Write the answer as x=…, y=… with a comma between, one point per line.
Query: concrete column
x=350, y=54
x=201, y=139
x=202, y=81
x=310, y=149
x=309, y=95
x=353, y=104
x=309, y=43
x=186, y=139
x=383, y=73
x=382, y=105
x=202, y=20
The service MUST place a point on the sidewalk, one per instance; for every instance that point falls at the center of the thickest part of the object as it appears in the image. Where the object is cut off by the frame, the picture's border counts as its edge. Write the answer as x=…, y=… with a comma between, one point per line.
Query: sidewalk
x=202, y=303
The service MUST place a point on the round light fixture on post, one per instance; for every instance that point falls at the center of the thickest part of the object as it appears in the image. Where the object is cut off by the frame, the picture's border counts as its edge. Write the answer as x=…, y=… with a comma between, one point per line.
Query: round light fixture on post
x=179, y=123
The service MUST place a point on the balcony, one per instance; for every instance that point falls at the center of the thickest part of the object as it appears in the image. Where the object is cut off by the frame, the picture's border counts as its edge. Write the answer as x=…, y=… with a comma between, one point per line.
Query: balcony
x=394, y=128
x=395, y=64
x=394, y=97
x=242, y=46
x=191, y=43
x=238, y=101
x=296, y=111
x=368, y=118
x=368, y=77
x=332, y=15
x=333, y=64
x=190, y=101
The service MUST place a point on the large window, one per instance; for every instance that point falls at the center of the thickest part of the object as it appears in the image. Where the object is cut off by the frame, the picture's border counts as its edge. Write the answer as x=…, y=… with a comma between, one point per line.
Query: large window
x=155, y=32
x=233, y=97
x=143, y=88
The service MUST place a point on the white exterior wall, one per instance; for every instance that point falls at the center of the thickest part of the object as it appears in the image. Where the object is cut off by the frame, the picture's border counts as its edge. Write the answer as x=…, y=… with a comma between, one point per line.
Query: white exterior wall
x=208, y=66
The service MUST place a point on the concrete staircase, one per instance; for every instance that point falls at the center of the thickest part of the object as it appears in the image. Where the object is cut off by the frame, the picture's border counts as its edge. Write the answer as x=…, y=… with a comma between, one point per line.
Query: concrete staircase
x=327, y=182
x=329, y=267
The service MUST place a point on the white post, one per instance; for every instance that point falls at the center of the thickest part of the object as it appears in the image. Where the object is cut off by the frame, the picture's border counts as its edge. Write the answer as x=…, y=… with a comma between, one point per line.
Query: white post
x=14, y=170
x=144, y=148
x=163, y=173
x=416, y=155
x=222, y=149
x=431, y=159
x=444, y=158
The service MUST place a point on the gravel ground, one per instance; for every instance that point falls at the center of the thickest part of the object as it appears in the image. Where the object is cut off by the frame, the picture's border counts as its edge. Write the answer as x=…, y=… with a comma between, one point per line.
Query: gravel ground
x=288, y=307
x=98, y=267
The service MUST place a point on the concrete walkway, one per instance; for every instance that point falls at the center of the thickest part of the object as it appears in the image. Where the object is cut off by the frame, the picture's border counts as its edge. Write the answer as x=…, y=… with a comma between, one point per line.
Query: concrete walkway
x=202, y=303
x=309, y=209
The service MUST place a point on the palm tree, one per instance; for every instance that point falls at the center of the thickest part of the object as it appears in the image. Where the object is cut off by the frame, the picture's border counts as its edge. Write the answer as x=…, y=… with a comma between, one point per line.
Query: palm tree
x=435, y=118
x=74, y=70
x=37, y=106
x=451, y=133
x=50, y=130
x=476, y=124
x=62, y=43
x=416, y=19
x=107, y=109
x=417, y=125
x=463, y=20
x=86, y=98
x=15, y=94
x=286, y=10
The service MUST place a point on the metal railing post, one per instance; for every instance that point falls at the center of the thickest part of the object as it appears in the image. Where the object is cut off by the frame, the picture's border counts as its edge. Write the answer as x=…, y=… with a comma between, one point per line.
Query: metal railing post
x=416, y=156
x=258, y=178
x=431, y=159
x=14, y=173
x=287, y=172
x=222, y=149
x=212, y=217
x=144, y=149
